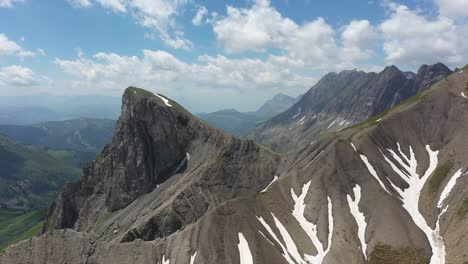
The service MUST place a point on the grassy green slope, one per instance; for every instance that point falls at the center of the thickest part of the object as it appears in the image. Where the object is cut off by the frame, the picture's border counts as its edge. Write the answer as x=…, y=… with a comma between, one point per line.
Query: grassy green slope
x=17, y=225
x=30, y=177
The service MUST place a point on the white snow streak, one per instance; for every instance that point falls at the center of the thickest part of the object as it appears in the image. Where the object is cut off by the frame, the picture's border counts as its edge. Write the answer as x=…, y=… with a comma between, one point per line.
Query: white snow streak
x=301, y=122
x=284, y=250
x=378, y=120
x=410, y=196
x=359, y=217
x=298, y=113
x=164, y=99
x=448, y=188
x=164, y=261
x=268, y=186
x=187, y=155
x=310, y=228
x=332, y=123
x=373, y=172
x=289, y=248
x=463, y=94
x=192, y=258
x=244, y=250
x=354, y=147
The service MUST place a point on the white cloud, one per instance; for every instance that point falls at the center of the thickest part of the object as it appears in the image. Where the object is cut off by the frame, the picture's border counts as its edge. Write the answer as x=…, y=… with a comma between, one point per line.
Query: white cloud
x=9, y=3
x=315, y=43
x=9, y=47
x=201, y=12
x=412, y=39
x=18, y=76
x=80, y=3
x=453, y=8
x=159, y=16
x=114, y=5
x=214, y=76
x=358, y=38
x=257, y=28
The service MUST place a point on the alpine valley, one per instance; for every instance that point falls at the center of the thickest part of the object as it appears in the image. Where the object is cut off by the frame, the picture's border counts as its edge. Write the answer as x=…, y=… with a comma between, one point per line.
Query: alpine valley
x=374, y=170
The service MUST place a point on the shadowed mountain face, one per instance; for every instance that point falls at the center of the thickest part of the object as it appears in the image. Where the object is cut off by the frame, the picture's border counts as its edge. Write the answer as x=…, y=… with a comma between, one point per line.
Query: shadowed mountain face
x=340, y=100
x=170, y=189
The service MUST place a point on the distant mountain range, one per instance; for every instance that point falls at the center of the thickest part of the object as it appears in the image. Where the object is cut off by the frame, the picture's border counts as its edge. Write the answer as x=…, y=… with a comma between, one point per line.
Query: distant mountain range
x=171, y=189
x=241, y=123
x=340, y=100
x=33, y=109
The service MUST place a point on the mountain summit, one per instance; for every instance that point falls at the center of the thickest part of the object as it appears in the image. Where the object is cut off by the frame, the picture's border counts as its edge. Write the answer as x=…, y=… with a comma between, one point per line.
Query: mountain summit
x=387, y=190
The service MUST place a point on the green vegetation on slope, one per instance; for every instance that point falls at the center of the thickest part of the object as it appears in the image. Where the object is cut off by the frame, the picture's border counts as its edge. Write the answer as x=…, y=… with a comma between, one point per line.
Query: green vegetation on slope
x=17, y=225
x=385, y=254
x=30, y=177
x=463, y=208
x=439, y=176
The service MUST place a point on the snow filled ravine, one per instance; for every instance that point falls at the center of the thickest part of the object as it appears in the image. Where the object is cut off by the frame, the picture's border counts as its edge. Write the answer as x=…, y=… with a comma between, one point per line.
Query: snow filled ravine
x=289, y=248
x=406, y=167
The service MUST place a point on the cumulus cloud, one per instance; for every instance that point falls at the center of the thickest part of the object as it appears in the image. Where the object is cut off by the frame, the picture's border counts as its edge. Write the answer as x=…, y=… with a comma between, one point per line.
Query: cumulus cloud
x=9, y=3
x=9, y=47
x=209, y=75
x=261, y=27
x=359, y=38
x=201, y=13
x=411, y=38
x=453, y=8
x=159, y=16
x=17, y=76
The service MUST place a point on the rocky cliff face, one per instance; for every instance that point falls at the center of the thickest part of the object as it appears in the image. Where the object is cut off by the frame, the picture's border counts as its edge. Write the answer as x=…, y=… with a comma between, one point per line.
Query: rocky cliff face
x=163, y=155
x=388, y=190
x=340, y=100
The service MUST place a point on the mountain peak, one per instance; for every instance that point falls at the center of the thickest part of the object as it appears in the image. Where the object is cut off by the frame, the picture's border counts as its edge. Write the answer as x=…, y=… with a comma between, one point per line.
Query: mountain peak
x=391, y=69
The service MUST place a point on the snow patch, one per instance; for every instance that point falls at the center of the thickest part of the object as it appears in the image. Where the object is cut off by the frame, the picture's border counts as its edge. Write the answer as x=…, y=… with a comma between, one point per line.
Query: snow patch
x=244, y=251
x=288, y=246
x=372, y=171
x=268, y=186
x=311, y=228
x=463, y=95
x=407, y=170
x=354, y=147
x=284, y=250
x=301, y=122
x=378, y=120
x=298, y=113
x=359, y=217
x=164, y=261
x=192, y=258
x=332, y=123
x=448, y=188
x=164, y=99
x=187, y=155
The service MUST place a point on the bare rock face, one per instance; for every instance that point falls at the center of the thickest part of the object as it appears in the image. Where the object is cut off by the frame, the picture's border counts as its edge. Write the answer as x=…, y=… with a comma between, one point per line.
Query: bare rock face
x=161, y=150
x=340, y=100
x=388, y=190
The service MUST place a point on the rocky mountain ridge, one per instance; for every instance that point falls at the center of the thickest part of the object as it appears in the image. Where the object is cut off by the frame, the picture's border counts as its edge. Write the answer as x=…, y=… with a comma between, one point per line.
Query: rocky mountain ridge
x=340, y=100
x=387, y=190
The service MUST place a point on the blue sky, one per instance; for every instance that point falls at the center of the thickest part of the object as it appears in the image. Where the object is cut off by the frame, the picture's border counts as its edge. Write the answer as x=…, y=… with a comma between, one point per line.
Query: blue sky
x=233, y=54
